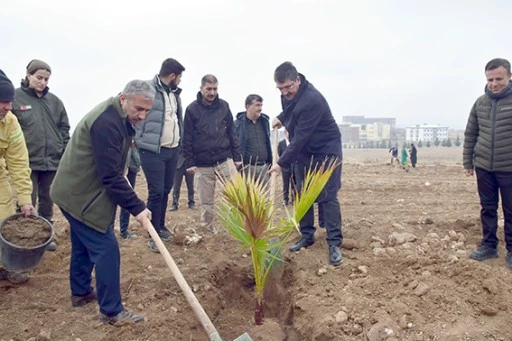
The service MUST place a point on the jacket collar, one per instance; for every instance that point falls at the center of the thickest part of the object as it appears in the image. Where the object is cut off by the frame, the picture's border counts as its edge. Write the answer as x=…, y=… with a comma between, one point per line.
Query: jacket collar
x=160, y=87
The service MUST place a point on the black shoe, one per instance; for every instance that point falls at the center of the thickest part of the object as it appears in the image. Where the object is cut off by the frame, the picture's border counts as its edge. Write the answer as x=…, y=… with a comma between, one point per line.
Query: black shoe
x=483, y=252
x=128, y=235
x=192, y=206
x=335, y=257
x=121, y=318
x=80, y=301
x=152, y=246
x=165, y=234
x=174, y=207
x=302, y=243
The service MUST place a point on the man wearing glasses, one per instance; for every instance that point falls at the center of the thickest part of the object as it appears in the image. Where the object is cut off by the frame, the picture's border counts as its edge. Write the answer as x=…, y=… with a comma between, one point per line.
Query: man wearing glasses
x=314, y=137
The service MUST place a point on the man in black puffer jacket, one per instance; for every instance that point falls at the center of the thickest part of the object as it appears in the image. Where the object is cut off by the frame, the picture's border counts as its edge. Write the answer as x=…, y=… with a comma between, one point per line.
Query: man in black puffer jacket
x=488, y=152
x=210, y=145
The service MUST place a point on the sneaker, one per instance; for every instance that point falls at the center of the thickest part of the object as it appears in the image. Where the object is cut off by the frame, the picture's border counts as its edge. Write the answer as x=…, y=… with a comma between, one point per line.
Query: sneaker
x=192, y=206
x=174, y=207
x=123, y=317
x=128, y=235
x=212, y=229
x=165, y=234
x=80, y=301
x=483, y=252
x=508, y=259
x=13, y=277
x=152, y=246
x=51, y=247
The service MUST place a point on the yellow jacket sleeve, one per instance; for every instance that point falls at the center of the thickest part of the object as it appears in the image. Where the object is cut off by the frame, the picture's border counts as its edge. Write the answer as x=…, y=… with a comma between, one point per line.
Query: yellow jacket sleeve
x=16, y=160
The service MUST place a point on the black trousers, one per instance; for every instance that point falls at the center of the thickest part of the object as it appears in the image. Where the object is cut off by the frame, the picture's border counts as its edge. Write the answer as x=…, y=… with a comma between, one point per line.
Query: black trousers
x=329, y=215
x=41, y=182
x=189, y=180
x=288, y=181
x=159, y=170
x=490, y=186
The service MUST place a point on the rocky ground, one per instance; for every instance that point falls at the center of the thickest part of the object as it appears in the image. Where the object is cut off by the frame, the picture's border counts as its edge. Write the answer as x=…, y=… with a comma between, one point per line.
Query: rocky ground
x=406, y=274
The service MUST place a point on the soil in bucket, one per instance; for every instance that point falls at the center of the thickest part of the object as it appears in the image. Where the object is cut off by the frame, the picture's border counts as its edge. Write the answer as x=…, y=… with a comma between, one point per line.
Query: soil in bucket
x=26, y=232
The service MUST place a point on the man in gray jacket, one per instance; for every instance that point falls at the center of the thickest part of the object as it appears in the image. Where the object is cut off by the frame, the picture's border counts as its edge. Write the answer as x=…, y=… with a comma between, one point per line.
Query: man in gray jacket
x=159, y=138
x=488, y=152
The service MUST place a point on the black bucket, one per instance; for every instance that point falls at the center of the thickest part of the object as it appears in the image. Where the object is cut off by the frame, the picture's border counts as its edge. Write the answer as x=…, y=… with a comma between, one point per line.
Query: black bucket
x=21, y=259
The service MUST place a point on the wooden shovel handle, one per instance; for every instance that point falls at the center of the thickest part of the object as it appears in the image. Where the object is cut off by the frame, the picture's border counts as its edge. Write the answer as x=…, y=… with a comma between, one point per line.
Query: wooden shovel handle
x=189, y=294
x=273, y=176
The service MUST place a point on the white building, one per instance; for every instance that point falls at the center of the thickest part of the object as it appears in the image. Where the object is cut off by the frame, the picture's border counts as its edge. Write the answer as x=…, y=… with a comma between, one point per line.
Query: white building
x=426, y=133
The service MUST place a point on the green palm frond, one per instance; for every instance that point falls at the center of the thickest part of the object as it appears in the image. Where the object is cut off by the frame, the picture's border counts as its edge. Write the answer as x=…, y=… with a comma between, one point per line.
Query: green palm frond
x=246, y=211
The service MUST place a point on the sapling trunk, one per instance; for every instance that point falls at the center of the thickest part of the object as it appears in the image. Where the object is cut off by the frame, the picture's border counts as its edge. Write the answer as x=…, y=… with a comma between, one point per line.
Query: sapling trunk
x=258, y=313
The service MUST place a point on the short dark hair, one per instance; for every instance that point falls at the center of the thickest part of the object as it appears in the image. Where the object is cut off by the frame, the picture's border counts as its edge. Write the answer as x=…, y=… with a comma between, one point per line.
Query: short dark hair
x=253, y=98
x=285, y=71
x=496, y=63
x=169, y=66
x=209, y=79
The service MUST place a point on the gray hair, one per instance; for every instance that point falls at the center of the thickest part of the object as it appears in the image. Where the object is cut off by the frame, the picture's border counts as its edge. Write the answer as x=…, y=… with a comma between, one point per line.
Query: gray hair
x=138, y=87
x=209, y=79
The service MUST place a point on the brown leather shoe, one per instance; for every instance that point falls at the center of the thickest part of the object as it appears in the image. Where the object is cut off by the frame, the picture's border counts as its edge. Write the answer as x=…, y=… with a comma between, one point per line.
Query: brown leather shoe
x=80, y=301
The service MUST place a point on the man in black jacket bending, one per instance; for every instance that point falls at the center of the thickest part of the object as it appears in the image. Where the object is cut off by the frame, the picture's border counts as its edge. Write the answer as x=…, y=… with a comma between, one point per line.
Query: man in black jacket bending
x=314, y=136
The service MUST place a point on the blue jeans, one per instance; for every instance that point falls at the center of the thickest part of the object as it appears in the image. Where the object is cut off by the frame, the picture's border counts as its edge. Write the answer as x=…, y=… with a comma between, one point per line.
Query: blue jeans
x=93, y=249
x=490, y=185
x=159, y=170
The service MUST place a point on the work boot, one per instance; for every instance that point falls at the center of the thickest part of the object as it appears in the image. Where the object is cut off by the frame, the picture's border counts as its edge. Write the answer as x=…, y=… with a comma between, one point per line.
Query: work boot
x=123, y=317
x=80, y=301
x=164, y=234
x=174, y=207
x=335, y=257
x=302, y=243
x=483, y=252
x=13, y=277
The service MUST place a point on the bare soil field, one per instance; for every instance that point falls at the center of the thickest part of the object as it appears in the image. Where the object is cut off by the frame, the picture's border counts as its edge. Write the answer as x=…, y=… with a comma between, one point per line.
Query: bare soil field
x=406, y=273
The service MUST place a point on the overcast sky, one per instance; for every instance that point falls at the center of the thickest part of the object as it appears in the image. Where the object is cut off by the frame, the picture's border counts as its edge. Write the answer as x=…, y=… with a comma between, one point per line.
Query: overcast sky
x=420, y=63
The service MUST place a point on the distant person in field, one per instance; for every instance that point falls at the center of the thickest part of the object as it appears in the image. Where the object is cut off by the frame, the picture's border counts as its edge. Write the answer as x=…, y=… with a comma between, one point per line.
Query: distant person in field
x=88, y=186
x=404, y=157
x=413, y=153
x=314, y=137
x=16, y=182
x=394, y=155
x=488, y=152
x=45, y=124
